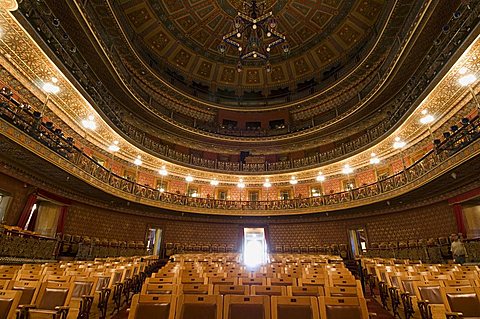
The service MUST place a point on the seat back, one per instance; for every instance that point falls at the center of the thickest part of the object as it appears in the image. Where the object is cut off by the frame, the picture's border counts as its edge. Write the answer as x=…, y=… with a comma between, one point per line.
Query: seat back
x=29, y=290
x=83, y=286
x=343, y=291
x=52, y=294
x=152, y=307
x=9, y=301
x=199, y=307
x=458, y=283
x=195, y=289
x=428, y=290
x=230, y=290
x=314, y=291
x=252, y=281
x=268, y=290
x=294, y=308
x=343, y=307
x=281, y=281
x=159, y=289
x=222, y=281
x=103, y=281
x=312, y=282
x=462, y=299
x=251, y=307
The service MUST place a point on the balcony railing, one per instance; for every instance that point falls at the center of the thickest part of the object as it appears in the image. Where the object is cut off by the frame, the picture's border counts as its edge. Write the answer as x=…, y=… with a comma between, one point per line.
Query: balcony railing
x=445, y=45
x=24, y=118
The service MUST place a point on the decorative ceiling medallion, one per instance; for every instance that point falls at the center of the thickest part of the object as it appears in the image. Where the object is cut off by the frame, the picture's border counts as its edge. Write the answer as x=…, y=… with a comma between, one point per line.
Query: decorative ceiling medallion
x=254, y=34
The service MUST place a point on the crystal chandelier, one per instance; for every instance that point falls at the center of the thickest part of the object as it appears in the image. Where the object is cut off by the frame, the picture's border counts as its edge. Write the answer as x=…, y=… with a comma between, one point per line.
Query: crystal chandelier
x=254, y=35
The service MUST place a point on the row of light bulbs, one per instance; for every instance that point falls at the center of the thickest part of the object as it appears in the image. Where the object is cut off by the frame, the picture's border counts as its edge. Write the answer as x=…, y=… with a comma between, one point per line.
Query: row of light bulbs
x=467, y=79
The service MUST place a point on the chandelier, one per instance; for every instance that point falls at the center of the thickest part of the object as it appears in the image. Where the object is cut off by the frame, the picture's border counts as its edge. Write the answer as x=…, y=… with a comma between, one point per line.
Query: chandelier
x=254, y=35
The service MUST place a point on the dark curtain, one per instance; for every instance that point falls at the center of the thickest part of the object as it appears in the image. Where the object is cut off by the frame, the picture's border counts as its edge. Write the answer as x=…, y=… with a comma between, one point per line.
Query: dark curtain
x=458, y=212
x=32, y=198
x=61, y=219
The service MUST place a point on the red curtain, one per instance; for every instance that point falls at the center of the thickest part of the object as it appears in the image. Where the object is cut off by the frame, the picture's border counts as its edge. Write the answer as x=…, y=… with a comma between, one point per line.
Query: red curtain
x=458, y=212
x=27, y=209
x=61, y=219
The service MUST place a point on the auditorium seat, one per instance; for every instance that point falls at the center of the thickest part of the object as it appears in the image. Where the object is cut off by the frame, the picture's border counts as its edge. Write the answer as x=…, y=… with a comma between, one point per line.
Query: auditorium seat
x=199, y=307
x=343, y=307
x=252, y=281
x=195, y=289
x=152, y=307
x=231, y=290
x=28, y=289
x=159, y=289
x=343, y=291
x=315, y=291
x=465, y=300
x=52, y=299
x=281, y=281
x=251, y=307
x=268, y=290
x=9, y=301
x=294, y=308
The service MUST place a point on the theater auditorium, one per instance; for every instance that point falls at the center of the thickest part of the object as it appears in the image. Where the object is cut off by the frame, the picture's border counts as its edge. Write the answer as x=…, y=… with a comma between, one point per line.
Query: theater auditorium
x=239, y=159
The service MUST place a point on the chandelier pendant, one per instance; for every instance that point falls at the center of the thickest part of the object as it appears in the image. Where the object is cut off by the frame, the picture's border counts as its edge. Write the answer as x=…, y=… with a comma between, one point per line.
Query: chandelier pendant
x=254, y=35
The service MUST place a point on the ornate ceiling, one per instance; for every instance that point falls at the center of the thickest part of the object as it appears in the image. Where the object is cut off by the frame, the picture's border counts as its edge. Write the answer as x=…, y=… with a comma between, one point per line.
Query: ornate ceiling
x=184, y=35
x=103, y=47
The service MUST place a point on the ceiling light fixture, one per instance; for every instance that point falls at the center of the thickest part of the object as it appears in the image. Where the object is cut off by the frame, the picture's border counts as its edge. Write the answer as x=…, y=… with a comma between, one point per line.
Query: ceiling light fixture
x=89, y=123
x=138, y=161
x=254, y=35
x=267, y=183
x=374, y=159
x=114, y=147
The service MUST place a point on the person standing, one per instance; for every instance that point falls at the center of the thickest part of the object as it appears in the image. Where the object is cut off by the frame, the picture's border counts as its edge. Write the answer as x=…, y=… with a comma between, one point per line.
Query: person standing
x=458, y=250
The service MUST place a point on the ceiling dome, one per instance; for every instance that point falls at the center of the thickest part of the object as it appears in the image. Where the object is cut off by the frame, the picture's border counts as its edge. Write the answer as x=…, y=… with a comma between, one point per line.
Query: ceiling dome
x=180, y=40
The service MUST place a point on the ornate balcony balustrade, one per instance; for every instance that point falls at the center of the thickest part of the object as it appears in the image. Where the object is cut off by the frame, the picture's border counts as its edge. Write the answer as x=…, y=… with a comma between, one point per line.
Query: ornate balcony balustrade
x=445, y=45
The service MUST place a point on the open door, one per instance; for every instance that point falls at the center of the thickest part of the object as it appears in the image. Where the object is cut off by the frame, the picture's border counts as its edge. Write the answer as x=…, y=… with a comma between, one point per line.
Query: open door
x=154, y=240
x=254, y=247
x=358, y=241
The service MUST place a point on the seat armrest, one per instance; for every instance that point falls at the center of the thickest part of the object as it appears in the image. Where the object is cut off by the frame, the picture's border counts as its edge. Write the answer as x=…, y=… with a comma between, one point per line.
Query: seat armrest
x=372, y=315
x=454, y=315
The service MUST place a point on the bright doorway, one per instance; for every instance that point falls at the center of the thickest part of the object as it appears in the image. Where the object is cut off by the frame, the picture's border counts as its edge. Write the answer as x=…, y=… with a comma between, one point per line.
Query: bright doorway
x=154, y=240
x=254, y=247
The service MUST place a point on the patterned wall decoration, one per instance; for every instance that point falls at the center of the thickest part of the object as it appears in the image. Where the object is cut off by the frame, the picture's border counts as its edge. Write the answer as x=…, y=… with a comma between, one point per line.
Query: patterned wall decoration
x=421, y=223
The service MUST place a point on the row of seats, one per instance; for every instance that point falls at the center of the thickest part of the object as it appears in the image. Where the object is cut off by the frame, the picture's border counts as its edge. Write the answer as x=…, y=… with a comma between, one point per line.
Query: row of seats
x=179, y=248
x=86, y=248
x=70, y=289
x=433, y=290
x=219, y=286
x=241, y=307
x=330, y=249
x=427, y=250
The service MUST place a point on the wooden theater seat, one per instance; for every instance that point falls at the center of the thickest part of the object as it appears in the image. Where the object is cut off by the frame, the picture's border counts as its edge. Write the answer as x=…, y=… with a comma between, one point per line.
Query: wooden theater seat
x=343, y=307
x=9, y=301
x=199, y=307
x=159, y=289
x=315, y=291
x=294, y=308
x=464, y=300
x=152, y=307
x=243, y=307
x=268, y=290
x=195, y=289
